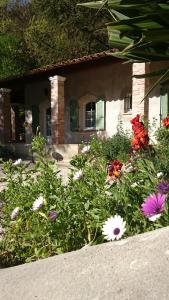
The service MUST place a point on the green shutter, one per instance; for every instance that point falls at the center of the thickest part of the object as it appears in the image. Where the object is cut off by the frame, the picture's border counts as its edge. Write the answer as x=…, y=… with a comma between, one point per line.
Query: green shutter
x=100, y=114
x=35, y=118
x=74, y=115
x=164, y=104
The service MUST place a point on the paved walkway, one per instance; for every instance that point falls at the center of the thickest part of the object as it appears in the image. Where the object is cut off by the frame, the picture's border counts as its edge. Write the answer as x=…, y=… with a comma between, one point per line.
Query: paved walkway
x=63, y=167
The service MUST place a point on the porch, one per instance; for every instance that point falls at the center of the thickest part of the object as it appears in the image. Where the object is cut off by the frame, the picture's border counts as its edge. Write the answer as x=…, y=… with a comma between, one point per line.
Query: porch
x=88, y=96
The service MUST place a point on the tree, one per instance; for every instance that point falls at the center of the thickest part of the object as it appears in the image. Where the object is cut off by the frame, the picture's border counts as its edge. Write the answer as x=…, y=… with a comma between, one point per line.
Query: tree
x=34, y=33
x=14, y=54
x=60, y=30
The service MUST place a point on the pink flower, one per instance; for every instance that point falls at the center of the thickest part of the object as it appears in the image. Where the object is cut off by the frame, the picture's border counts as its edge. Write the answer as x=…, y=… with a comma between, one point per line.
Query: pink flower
x=153, y=206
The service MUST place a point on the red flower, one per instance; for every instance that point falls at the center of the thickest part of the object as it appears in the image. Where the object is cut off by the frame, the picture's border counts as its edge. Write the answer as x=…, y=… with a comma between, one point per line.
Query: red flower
x=114, y=168
x=166, y=122
x=135, y=120
x=141, y=138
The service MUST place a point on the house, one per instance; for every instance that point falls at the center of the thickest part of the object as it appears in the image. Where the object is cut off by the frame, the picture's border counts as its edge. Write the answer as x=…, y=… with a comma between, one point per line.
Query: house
x=74, y=99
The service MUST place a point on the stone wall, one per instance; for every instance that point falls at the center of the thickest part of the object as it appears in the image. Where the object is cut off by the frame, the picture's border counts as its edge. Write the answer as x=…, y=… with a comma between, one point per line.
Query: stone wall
x=111, y=81
x=130, y=269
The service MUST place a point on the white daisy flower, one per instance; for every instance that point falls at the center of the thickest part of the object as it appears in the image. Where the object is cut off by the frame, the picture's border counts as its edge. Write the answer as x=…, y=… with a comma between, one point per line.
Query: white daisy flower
x=160, y=175
x=38, y=203
x=78, y=175
x=114, y=228
x=85, y=149
x=17, y=162
x=15, y=213
x=134, y=184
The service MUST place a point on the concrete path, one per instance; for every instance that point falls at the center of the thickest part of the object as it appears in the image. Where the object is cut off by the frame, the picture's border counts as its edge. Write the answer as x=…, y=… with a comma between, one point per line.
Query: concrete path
x=133, y=269
x=63, y=167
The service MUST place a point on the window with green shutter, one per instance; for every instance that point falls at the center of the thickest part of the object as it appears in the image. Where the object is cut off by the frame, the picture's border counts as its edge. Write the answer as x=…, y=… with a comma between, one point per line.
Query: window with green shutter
x=74, y=115
x=164, y=103
x=100, y=114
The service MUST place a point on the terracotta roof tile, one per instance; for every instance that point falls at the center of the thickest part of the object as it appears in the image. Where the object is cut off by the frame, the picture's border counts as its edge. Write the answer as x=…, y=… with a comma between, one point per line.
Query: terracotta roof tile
x=62, y=65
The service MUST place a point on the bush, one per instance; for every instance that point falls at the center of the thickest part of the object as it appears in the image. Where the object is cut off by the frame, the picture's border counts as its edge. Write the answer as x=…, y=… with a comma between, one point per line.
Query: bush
x=43, y=217
x=116, y=147
x=161, y=158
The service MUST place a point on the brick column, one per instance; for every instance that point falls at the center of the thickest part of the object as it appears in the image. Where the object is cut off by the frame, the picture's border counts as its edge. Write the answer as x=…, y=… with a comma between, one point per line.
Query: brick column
x=5, y=116
x=57, y=109
x=139, y=88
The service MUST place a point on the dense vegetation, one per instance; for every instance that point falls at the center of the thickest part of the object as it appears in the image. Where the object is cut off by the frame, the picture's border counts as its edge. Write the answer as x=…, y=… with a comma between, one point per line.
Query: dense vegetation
x=35, y=33
x=112, y=191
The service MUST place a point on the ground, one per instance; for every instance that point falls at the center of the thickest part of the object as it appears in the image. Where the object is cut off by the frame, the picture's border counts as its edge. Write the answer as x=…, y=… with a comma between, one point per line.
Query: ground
x=63, y=167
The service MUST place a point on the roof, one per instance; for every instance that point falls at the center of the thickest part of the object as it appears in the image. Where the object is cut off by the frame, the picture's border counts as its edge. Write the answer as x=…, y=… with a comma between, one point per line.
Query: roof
x=61, y=67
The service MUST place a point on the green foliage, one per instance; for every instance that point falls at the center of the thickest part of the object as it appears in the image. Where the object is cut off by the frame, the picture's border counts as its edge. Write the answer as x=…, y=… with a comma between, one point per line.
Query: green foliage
x=137, y=29
x=35, y=33
x=116, y=147
x=83, y=205
x=162, y=150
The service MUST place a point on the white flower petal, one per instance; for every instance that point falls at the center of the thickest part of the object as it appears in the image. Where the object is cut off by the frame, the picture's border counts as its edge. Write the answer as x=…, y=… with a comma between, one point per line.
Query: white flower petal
x=38, y=203
x=160, y=175
x=154, y=218
x=133, y=185
x=14, y=213
x=85, y=149
x=78, y=175
x=110, y=225
x=17, y=162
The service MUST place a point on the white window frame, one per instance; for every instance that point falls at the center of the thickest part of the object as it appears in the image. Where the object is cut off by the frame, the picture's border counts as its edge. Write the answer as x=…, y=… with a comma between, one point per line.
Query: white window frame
x=128, y=106
x=92, y=127
x=87, y=98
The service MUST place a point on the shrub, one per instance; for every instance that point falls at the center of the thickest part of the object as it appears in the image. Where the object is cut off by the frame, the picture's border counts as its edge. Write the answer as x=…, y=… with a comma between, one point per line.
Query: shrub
x=116, y=147
x=161, y=158
x=43, y=217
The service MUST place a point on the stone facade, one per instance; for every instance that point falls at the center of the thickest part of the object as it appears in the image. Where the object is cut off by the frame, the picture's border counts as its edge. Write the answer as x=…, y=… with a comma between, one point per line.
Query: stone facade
x=111, y=82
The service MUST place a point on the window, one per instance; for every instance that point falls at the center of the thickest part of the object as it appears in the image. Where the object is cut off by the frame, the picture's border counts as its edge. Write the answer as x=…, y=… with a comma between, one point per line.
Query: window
x=90, y=115
x=128, y=103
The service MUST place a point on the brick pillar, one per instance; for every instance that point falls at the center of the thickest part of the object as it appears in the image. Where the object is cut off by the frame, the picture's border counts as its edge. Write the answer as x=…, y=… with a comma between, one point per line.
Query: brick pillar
x=139, y=88
x=5, y=116
x=57, y=109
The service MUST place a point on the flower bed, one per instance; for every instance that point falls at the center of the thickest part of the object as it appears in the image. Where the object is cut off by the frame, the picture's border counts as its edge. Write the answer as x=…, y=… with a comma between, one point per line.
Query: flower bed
x=103, y=200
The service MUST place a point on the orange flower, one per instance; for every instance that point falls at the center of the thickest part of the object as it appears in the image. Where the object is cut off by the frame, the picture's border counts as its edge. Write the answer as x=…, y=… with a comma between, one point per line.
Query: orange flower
x=166, y=122
x=141, y=138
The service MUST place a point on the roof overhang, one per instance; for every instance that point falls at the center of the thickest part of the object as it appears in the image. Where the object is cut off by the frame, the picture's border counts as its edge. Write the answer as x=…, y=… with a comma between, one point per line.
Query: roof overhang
x=63, y=68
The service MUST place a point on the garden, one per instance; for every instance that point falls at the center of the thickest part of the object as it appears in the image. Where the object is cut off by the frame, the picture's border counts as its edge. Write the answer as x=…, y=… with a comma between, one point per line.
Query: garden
x=117, y=187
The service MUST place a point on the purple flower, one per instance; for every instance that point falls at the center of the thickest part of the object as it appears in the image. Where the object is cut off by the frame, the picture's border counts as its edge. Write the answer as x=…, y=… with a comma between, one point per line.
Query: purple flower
x=163, y=187
x=53, y=215
x=153, y=206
